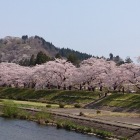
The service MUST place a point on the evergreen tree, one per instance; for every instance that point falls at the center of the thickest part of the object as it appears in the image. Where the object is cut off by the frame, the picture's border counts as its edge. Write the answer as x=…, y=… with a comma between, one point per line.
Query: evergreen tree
x=111, y=56
x=24, y=62
x=128, y=60
x=72, y=58
x=32, y=61
x=58, y=56
x=24, y=37
x=119, y=61
x=41, y=58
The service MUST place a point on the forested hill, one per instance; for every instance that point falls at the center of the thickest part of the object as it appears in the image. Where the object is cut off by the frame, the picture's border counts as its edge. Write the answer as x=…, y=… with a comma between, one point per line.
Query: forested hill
x=81, y=56
x=25, y=49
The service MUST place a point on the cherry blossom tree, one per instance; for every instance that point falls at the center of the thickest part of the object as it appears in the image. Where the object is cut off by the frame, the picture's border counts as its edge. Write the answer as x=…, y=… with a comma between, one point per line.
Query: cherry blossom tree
x=62, y=74
x=95, y=71
x=14, y=75
x=58, y=73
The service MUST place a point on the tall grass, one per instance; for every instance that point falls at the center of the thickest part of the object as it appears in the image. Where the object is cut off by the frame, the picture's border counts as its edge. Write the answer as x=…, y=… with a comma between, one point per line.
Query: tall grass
x=70, y=125
x=10, y=109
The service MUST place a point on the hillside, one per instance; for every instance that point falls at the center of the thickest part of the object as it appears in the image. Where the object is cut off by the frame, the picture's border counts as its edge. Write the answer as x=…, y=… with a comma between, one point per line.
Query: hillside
x=15, y=49
x=53, y=96
x=120, y=102
x=114, y=102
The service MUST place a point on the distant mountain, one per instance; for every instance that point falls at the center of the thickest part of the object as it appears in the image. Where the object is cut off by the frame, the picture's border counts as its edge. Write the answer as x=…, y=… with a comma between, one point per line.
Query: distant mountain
x=15, y=49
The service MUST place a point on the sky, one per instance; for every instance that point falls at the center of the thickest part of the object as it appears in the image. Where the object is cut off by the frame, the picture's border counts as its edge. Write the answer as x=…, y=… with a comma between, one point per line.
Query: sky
x=96, y=27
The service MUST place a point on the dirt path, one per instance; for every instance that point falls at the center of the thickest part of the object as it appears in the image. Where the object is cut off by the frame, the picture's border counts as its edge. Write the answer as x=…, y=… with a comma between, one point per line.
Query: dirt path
x=106, y=117
x=127, y=126
x=129, y=121
x=120, y=126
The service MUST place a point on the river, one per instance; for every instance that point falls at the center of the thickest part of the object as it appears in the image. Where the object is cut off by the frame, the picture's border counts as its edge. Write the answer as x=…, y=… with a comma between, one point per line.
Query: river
x=12, y=129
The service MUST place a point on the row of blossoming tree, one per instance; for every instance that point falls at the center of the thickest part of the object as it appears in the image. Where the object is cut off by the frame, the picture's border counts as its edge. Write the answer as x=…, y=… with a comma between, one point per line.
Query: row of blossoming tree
x=92, y=73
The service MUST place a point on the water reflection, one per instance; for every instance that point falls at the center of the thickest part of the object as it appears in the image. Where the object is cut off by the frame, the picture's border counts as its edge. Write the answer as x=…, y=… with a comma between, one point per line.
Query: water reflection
x=27, y=130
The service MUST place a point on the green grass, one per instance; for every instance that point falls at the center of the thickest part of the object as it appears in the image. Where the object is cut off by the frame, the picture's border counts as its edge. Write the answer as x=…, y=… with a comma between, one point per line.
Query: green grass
x=11, y=110
x=67, y=97
x=129, y=101
x=70, y=125
x=48, y=96
x=29, y=104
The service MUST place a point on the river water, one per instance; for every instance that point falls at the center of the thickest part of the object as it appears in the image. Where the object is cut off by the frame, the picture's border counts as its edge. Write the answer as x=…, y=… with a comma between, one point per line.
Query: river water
x=28, y=130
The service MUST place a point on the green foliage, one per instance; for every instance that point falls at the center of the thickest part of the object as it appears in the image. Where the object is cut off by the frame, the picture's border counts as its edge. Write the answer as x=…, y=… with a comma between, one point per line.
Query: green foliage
x=117, y=59
x=24, y=62
x=10, y=109
x=58, y=56
x=61, y=105
x=72, y=58
x=32, y=60
x=25, y=37
x=70, y=125
x=128, y=60
x=77, y=106
x=80, y=56
x=81, y=114
x=48, y=106
x=111, y=56
x=103, y=133
x=41, y=58
x=22, y=114
x=42, y=115
x=98, y=112
x=59, y=125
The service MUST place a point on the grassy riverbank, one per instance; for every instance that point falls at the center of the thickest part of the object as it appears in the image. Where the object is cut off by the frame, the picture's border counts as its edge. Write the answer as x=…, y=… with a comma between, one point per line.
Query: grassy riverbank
x=29, y=104
x=49, y=96
x=56, y=97
x=126, y=101
x=44, y=99
x=11, y=110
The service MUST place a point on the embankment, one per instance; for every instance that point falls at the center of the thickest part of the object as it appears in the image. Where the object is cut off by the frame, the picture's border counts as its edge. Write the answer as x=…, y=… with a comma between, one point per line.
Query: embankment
x=119, y=103
x=48, y=96
x=101, y=128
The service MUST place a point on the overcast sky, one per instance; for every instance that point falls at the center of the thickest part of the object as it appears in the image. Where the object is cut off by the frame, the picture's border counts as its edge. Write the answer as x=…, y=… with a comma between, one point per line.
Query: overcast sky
x=97, y=27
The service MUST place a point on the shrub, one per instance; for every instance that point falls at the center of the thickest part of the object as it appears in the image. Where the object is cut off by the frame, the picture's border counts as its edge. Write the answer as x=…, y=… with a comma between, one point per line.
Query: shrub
x=10, y=109
x=23, y=114
x=49, y=106
x=61, y=105
x=42, y=115
x=103, y=133
x=98, y=112
x=70, y=125
x=59, y=125
x=77, y=106
x=81, y=114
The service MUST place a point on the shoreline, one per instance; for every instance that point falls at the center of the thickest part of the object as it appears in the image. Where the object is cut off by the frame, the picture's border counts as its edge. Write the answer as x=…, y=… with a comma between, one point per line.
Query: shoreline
x=72, y=124
x=77, y=123
x=41, y=122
